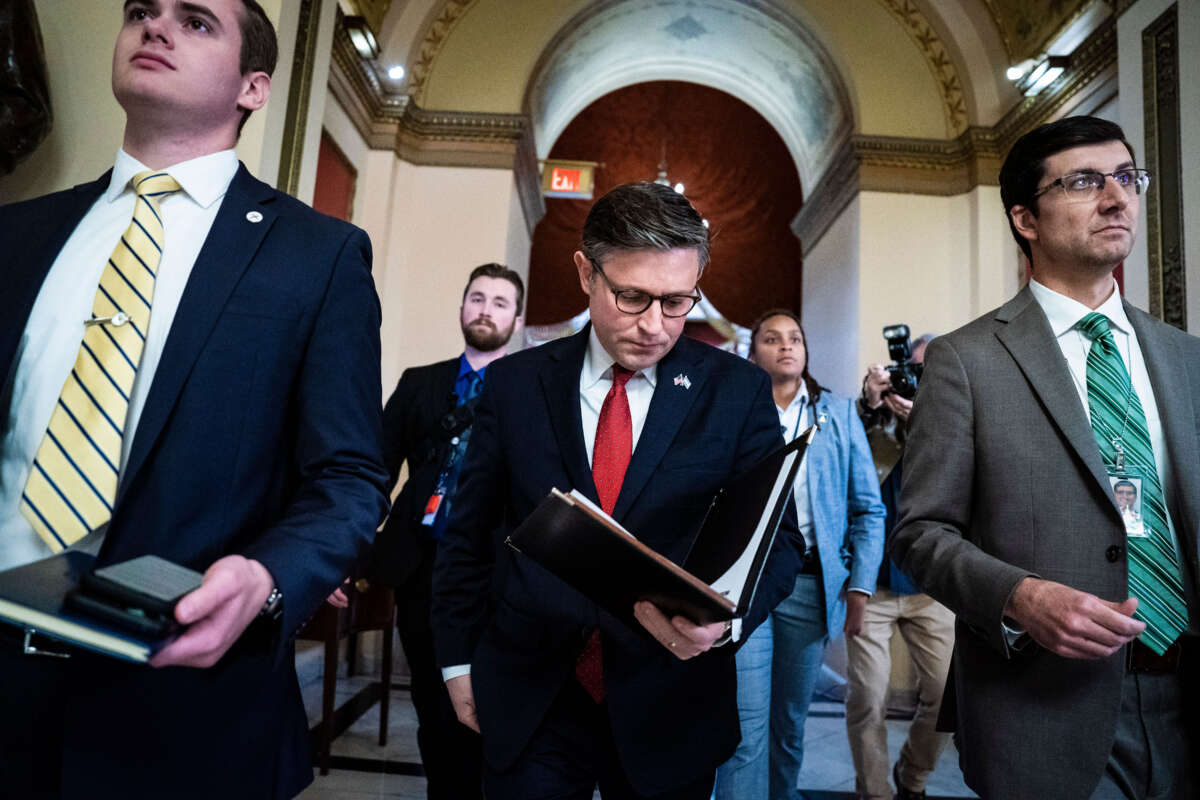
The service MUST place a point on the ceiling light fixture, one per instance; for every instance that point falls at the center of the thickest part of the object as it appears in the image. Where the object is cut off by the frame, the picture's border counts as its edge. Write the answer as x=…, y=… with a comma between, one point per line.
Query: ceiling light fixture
x=361, y=36
x=396, y=72
x=1044, y=74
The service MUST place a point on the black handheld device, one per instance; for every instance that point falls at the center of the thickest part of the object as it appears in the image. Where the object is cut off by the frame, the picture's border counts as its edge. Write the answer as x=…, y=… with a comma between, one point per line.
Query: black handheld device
x=139, y=595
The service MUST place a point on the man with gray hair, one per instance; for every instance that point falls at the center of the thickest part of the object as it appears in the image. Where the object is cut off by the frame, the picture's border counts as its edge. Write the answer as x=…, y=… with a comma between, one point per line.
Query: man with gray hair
x=649, y=426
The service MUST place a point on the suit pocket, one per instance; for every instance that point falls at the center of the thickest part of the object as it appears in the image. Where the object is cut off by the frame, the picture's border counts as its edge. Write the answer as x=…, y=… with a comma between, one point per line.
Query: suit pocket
x=243, y=308
x=519, y=628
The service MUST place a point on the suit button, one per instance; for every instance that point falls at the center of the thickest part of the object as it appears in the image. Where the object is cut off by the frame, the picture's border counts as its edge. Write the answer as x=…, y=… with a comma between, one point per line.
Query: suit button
x=1113, y=553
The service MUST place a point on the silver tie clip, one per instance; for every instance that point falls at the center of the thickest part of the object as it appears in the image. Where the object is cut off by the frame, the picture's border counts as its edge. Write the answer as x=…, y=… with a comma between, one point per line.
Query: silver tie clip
x=118, y=319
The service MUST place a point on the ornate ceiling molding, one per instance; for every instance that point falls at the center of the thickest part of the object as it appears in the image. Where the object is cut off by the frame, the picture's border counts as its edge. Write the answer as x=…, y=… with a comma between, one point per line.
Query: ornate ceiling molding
x=826, y=201
x=949, y=167
x=352, y=80
x=863, y=163
x=1027, y=26
x=937, y=57
x=475, y=139
x=435, y=138
x=436, y=33
x=755, y=50
x=373, y=11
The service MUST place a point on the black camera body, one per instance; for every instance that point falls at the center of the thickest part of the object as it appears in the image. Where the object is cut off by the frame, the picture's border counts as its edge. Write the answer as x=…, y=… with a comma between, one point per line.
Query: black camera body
x=903, y=372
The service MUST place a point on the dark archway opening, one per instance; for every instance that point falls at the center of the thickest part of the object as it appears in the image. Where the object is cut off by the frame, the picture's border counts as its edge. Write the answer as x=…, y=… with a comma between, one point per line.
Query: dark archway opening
x=735, y=169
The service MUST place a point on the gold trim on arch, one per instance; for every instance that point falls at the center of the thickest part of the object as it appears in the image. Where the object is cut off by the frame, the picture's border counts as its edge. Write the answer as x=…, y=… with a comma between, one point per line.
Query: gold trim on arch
x=431, y=45
x=937, y=57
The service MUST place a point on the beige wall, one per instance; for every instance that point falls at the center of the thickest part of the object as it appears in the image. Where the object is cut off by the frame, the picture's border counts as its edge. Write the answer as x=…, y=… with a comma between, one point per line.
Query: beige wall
x=88, y=123
x=429, y=226
x=444, y=221
x=830, y=303
x=933, y=263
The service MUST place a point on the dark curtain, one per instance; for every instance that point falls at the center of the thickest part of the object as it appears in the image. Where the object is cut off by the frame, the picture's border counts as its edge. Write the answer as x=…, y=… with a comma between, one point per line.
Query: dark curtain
x=25, y=115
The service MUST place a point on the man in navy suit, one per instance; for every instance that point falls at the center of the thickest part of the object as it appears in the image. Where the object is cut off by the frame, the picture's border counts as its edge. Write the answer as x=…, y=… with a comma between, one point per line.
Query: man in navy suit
x=427, y=423
x=649, y=426
x=250, y=449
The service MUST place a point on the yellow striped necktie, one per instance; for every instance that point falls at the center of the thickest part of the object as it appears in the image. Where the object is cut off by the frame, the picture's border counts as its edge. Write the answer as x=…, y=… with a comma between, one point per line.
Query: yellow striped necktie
x=73, y=481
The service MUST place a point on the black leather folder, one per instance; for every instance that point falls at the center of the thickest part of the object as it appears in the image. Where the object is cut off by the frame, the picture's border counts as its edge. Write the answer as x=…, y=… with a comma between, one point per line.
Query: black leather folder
x=574, y=539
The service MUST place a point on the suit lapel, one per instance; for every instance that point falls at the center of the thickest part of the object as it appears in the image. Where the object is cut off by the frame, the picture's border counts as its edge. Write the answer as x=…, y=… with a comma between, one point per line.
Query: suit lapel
x=1168, y=370
x=668, y=407
x=560, y=383
x=816, y=461
x=231, y=245
x=23, y=285
x=1030, y=341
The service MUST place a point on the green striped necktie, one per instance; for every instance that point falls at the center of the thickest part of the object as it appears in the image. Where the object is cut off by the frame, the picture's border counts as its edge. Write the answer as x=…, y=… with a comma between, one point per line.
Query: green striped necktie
x=73, y=481
x=1119, y=425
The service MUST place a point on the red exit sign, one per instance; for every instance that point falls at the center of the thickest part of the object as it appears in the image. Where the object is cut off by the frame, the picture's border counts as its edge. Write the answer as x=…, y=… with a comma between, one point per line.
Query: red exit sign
x=564, y=180
x=571, y=179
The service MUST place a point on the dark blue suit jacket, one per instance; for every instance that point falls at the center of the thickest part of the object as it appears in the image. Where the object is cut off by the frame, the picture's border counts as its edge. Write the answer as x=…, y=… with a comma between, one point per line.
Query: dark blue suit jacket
x=522, y=629
x=260, y=436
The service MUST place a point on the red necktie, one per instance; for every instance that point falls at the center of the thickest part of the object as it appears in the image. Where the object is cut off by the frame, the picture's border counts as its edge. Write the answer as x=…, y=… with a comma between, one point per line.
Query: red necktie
x=610, y=458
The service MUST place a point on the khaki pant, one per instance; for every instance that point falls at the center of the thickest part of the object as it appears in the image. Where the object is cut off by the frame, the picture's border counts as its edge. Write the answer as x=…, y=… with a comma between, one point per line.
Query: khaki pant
x=928, y=628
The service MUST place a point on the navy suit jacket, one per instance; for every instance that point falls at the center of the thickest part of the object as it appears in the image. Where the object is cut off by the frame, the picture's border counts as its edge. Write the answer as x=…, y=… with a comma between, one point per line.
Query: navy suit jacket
x=521, y=628
x=413, y=432
x=259, y=436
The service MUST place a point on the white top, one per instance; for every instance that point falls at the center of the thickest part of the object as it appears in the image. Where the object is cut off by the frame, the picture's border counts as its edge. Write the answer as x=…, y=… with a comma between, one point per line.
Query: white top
x=794, y=420
x=54, y=330
x=1064, y=313
x=594, y=382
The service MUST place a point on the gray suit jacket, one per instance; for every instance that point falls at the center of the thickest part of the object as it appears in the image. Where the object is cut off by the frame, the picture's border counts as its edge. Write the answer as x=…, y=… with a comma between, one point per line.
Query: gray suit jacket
x=1003, y=479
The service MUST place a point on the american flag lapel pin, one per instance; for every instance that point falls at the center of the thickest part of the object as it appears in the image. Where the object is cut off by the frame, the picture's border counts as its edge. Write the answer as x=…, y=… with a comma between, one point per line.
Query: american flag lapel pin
x=683, y=380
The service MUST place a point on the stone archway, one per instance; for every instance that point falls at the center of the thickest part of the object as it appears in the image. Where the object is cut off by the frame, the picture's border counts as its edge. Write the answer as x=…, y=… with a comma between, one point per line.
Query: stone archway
x=752, y=49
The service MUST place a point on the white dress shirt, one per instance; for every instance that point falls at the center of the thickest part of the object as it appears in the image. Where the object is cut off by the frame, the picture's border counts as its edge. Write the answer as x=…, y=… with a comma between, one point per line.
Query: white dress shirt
x=1064, y=313
x=594, y=382
x=54, y=330
x=793, y=420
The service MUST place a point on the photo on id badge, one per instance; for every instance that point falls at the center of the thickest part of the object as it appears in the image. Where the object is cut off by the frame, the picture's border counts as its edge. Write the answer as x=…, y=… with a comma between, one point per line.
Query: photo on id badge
x=1127, y=492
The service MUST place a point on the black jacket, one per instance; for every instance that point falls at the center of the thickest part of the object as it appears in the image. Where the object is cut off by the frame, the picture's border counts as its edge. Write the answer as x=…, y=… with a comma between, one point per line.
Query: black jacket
x=413, y=432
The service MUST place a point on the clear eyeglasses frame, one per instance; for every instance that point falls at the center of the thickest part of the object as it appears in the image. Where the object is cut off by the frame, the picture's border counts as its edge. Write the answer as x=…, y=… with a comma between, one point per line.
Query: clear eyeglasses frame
x=1079, y=186
x=635, y=301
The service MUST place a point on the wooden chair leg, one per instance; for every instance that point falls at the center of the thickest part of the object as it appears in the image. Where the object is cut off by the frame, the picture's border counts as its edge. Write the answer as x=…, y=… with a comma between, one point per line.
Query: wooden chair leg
x=386, y=677
x=352, y=654
x=328, y=691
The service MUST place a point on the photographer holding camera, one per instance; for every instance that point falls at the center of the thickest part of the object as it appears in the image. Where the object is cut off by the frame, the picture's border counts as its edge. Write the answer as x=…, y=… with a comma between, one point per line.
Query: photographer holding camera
x=926, y=625
x=887, y=396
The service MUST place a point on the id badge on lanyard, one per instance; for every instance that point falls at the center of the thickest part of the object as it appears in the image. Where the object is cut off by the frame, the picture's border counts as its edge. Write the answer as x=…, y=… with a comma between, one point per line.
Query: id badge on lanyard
x=443, y=485
x=1125, y=481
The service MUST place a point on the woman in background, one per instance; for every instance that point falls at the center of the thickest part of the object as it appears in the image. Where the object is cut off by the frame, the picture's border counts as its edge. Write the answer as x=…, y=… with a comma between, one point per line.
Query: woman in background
x=841, y=518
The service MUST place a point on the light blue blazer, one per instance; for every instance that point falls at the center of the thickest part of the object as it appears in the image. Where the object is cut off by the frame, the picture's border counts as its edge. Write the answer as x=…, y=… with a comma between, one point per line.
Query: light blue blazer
x=848, y=514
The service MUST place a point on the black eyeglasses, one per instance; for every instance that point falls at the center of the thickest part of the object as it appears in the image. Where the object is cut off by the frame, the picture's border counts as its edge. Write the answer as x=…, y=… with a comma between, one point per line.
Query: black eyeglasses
x=635, y=301
x=1086, y=185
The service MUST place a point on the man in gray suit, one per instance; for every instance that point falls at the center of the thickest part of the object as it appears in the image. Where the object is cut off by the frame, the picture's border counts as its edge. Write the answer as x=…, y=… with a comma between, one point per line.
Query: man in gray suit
x=1076, y=656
